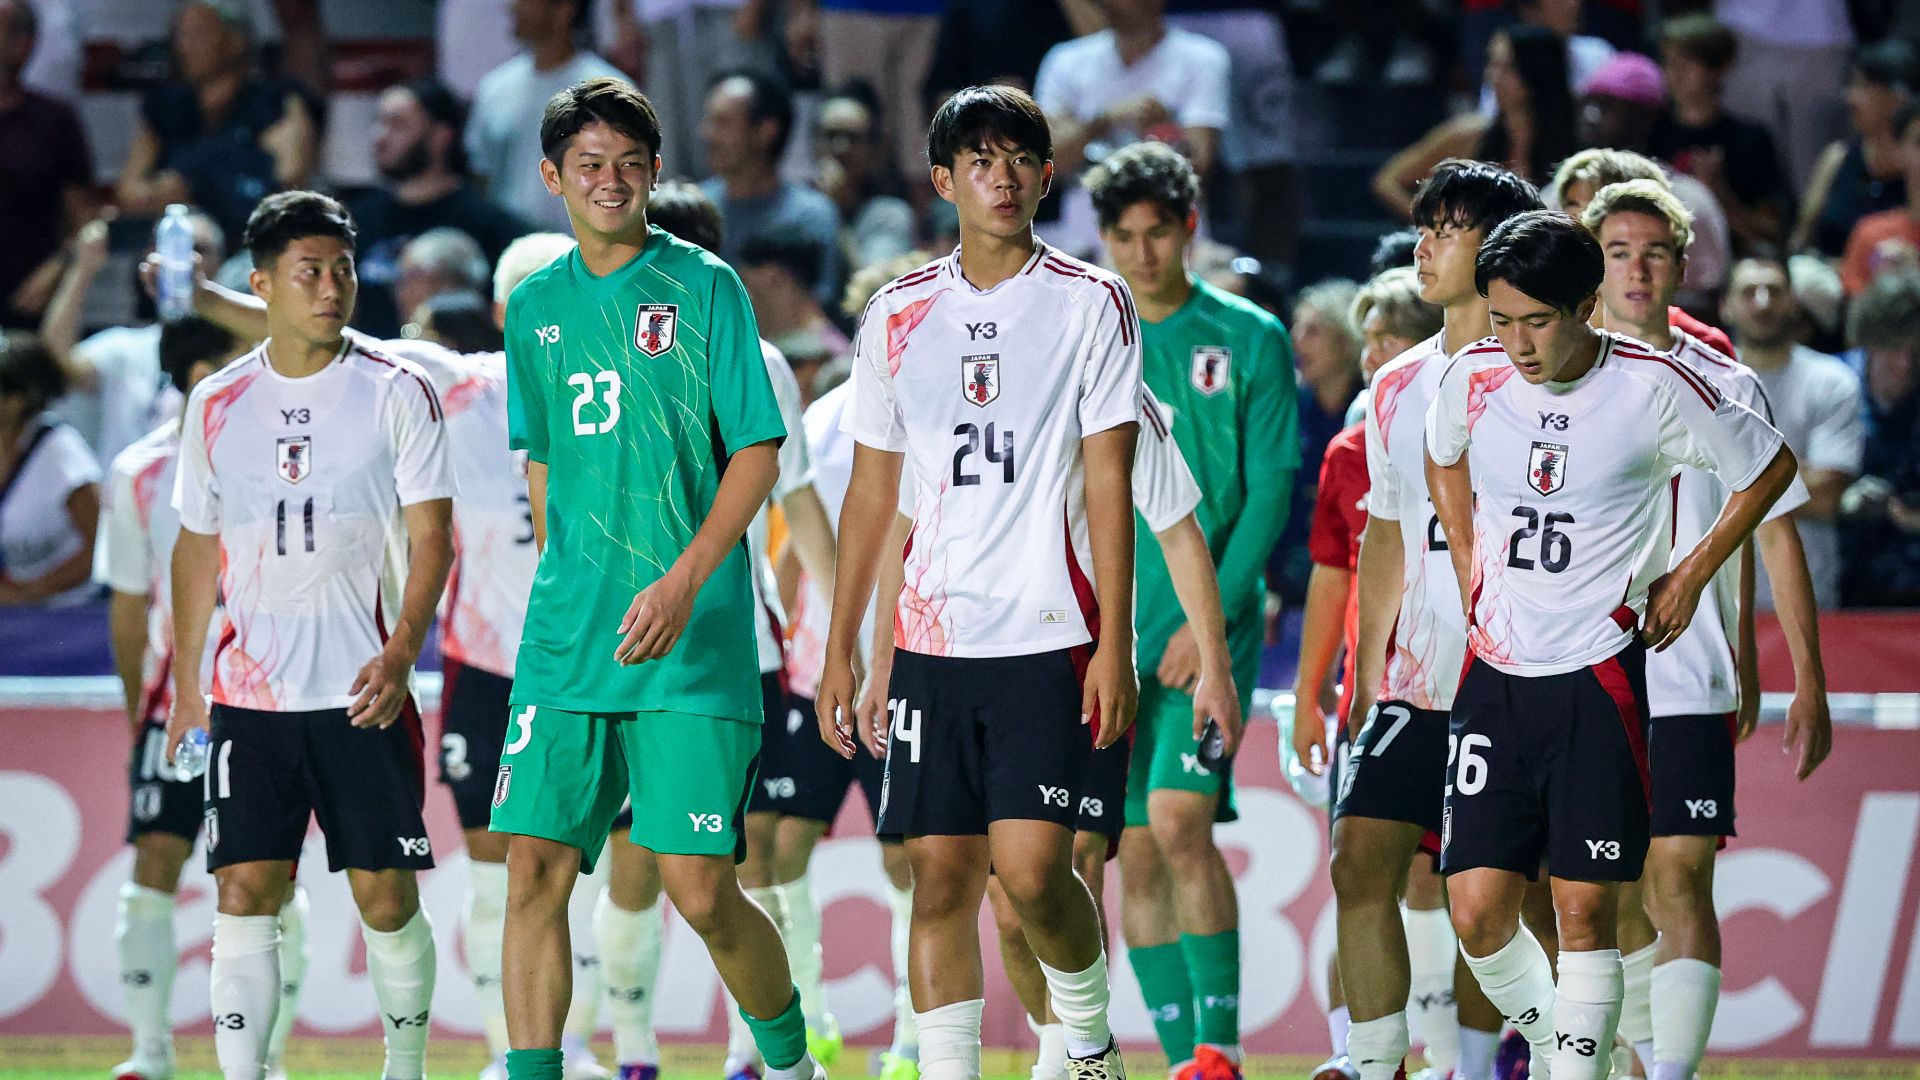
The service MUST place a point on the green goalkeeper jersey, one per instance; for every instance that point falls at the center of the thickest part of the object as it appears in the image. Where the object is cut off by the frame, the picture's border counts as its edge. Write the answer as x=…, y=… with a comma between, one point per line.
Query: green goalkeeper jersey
x=1224, y=368
x=634, y=389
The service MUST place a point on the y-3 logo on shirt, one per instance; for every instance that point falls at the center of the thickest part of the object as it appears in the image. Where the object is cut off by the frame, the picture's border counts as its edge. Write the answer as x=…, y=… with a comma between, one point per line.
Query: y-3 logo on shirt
x=548, y=335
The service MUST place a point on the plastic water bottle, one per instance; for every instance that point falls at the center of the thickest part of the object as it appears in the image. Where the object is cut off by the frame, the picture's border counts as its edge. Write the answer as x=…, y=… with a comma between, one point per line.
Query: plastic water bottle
x=190, y=761
x=173, y=242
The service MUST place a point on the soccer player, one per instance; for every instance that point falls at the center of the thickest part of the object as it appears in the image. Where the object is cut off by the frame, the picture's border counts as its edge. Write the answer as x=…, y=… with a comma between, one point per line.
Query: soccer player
x=1704, y=691
x=636, y=386
x=1410, y=645
x=1549, y=721
x=132, y=558
x=302, y=469
x=1020, y=565
x=1223, y=367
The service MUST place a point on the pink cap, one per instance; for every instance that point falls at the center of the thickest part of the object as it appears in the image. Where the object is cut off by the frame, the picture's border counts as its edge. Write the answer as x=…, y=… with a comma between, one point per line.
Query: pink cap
x=1629, y=77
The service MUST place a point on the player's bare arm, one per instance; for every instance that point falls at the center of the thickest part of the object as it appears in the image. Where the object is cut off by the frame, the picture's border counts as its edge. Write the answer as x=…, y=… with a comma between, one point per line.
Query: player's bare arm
x=196, y=573
x=866, y=517
x=659, y=612
x=1809, y=727
x=1323, y=610
x=381, y=688
x=127, y=630
x=870, y=713
x=537, y=502
x=1746, y=650
x=1380, y=571
x=1672, y=598
x=1451, y=487
x=1112, y=691
x=1190, y=565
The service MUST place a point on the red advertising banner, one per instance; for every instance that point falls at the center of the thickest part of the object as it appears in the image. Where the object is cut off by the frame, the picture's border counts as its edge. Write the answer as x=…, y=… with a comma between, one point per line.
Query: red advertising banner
x=1818, y=896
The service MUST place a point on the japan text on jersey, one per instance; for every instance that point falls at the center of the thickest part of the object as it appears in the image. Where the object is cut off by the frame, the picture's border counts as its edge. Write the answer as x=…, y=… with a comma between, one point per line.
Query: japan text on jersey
x=990, y=394
x=1572, y=518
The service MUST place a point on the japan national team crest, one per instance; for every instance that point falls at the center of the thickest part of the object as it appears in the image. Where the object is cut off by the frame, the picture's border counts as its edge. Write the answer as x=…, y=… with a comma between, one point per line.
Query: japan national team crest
x=1547, y=467
x=653, y=327
x=502, y=783
x=1211, y=364
x=980, y=377
x=294, y=456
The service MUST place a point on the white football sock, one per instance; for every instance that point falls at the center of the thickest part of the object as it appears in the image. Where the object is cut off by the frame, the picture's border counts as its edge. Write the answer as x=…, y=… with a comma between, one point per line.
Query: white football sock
x=244, y=991
x=583, y=1008
x=630, y=964
x=803, y=949
x=1377, y=1047
x=1339, y=1023
x=148, y=959
x=1477, y=1052
x=1636, y=1009
x=1519, y=982
x=293, y=971
x=1431, y=947
x=950, y=1041
x=1686, y=993
x=906, y=1035
x=1080, y=1000
x=1586, y=1013
x=486, y=926
x=799, y=1070
x=401, y=965
x=1051, y=1062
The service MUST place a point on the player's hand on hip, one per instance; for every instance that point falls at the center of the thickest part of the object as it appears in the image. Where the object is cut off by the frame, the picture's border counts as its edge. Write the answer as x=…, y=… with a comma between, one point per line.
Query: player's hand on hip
x=188, y=712
x=655, y=620
x=834, y=706
x=1810, y=728
x=1180, y=662
x=380, y=690
x=1111, y=695
x=872, y=719
x=1216, y=698
x=1670, y=603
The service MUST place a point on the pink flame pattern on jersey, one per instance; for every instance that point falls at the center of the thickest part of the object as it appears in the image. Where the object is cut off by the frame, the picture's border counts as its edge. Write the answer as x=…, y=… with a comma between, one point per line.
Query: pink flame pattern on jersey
x=219, y=403
x=1479, y=385
x=918, y=621
x=900, y=327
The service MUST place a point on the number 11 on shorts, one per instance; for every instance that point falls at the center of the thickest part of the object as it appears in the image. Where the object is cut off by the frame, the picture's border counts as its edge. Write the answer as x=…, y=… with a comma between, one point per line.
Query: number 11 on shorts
x=906, y=727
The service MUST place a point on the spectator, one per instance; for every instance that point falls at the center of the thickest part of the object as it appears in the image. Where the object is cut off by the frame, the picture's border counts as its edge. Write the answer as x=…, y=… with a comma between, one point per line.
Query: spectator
x=49, y=484
x=676, y=48
x=46, y=172
x=1735, y=158
x=856, y=171
x=1581, y=176
x=461, y=320
x=1816, y=405
x=1891, y=236
x=503, y=128
x=417, y=149
x=217, y=137
x=438, y=261
x=117, y=390
x=1863, y=173
x=1791, y=76
x=1881, y=529
x=749, y=119
x=1326, y=356
x=779, y=267
x=1586, y=54
x=1531, y=132
x=1136, y=80
x=889, y=44
x=997, y=41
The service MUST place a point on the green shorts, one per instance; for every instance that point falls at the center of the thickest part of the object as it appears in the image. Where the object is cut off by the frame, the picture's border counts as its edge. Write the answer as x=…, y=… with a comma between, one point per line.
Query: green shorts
x=1166, y=756
x=563, y=776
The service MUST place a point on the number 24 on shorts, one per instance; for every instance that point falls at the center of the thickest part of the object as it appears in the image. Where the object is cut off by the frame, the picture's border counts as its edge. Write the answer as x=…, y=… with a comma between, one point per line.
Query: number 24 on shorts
x=1473, y=767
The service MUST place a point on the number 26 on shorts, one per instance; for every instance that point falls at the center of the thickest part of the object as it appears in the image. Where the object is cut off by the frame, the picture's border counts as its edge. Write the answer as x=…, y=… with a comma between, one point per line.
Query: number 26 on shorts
x=1472, y=775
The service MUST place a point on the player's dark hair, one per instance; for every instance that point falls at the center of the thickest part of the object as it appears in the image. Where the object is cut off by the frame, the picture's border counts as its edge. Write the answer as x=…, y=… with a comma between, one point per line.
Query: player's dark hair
x=1462, y=194
x=988, y=116
x=462, y=320
x=610, y=101
x=1702, y=37
x=1545, y=254
x=286, y=216
x=442, y=106
x=684, y=211
x=1149, y=172
x=768, y=98
x=1891, y=62
x=797, y=252
x=189, y=341
x=1391, y=250
x=28, y=369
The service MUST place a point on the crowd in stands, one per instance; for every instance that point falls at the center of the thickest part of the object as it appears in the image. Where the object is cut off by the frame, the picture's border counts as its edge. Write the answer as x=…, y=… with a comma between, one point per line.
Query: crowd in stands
x=1789, y=128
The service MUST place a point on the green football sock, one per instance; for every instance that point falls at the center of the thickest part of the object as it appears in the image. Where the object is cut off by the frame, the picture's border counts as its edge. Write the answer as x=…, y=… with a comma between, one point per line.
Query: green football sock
x=534, y=1065
x=1162, y=972
x=1214, y=960
x=783, y=1039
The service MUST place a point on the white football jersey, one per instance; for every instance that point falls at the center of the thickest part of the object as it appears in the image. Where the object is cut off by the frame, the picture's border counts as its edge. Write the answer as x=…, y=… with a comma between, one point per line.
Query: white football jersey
x=990, y=394
x=832, y=452
x=484, y=607
x=303, y=481
x=1164, y=490
x=1696, y=675
x=134, y=554
x=1566, y=544
x=796, y=472
x=1429, y=636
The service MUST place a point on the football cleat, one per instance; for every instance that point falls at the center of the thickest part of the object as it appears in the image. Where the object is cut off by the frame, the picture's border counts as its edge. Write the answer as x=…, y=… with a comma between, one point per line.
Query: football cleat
x=1105, y=1065
x=1337, y=1068
x=825, y=1044
x=639, y=1072
x=898, y=1067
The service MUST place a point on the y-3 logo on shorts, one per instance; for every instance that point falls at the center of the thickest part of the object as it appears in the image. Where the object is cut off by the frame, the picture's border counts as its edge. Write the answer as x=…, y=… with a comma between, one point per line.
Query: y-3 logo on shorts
x=1191, y=763
x=414, y=845
x=1702, y=808
x=1053, y=796
x=1603, y=849
x=1092, y=807
x=705, y=822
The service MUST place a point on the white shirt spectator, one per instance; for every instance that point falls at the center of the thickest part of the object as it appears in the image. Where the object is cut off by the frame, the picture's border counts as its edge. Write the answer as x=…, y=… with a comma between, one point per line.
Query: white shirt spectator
x=1807, y=23
x=36, y=533
x=503, y=132
x=474, y=37
x=1817, y=405
x=130, y=396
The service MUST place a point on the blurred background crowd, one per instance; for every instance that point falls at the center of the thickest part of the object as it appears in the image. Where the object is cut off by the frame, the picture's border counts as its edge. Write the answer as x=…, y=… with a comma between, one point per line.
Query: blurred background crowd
x=1789, y=127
